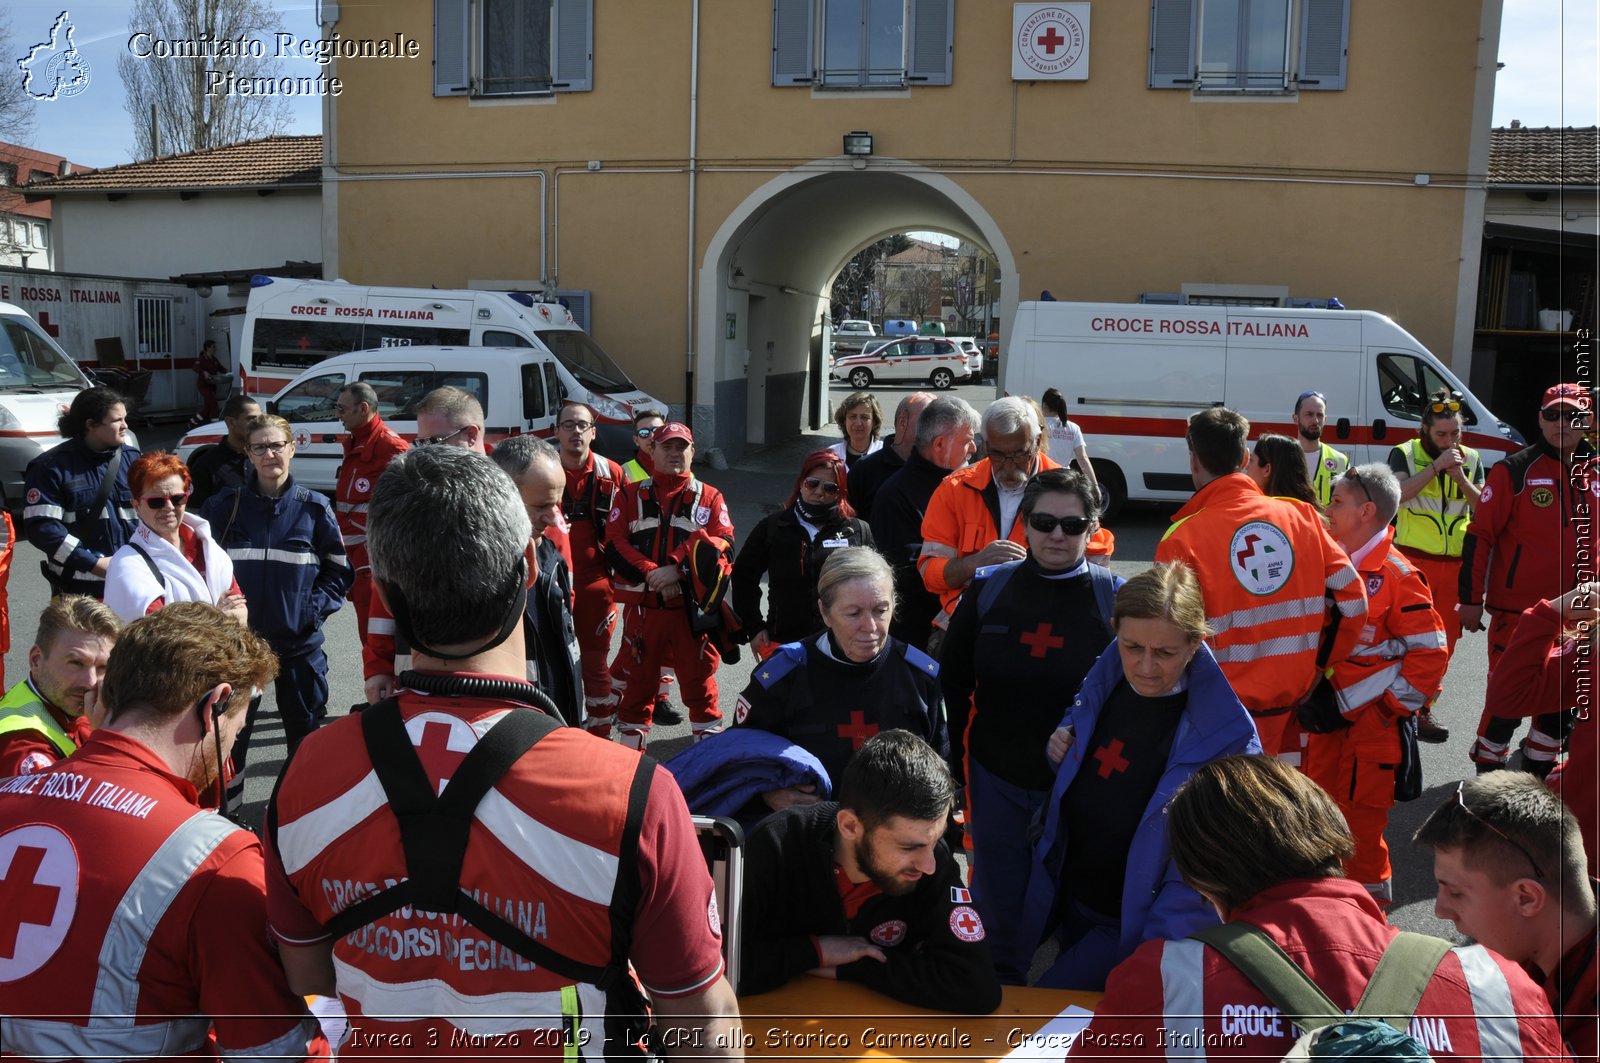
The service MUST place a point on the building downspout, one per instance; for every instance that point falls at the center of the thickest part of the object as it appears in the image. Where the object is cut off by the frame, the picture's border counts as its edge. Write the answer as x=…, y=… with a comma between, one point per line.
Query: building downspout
x=694, y=169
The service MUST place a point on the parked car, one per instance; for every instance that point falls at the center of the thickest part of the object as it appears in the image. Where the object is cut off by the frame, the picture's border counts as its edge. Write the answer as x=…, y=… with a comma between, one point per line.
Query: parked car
x=849, y=336
x=934, y=360
x=974, y=354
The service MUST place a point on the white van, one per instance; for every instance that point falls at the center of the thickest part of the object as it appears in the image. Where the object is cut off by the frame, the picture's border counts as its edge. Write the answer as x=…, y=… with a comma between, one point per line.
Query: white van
x=519, y=387
x=291, y=325
x=37, y=382
x=1132, y=374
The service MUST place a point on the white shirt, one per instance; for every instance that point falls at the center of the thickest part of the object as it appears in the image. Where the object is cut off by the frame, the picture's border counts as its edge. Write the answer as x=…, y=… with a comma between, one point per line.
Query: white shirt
x=1065, y=439
x=1010, y=502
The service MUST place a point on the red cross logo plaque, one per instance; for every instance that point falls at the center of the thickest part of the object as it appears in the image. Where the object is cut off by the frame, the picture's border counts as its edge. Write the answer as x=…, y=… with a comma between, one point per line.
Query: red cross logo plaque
x=38, y=897
x=1050, y=42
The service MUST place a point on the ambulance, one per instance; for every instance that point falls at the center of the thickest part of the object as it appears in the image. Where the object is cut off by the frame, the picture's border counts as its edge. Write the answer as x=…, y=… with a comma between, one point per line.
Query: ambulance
x=37, y=383
x=1132, y=375
x=291, y=325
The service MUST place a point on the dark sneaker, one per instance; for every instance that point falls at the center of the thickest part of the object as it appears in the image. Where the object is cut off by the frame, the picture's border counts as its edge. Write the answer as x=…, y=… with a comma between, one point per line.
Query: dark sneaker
x=665, y=713
x=1428, y=731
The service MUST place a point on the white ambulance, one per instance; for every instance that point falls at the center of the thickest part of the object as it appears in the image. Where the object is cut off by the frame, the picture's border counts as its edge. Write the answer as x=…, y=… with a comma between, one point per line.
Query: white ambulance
x=1132, y=374
x=290, y=325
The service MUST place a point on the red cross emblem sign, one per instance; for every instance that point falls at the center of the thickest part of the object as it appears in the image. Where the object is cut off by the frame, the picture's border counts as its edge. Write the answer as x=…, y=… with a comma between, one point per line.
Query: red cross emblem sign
x=965, y=924
x=888, y=934
x=38, y=897
x=442, y=743
x=1050, y=42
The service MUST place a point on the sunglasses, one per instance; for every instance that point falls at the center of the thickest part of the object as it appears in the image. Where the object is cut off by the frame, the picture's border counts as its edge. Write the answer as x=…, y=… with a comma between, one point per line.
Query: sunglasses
x=433, y=441
x=177, y=501
x=1461, y=803
x=1045, y=523
x=827, y=487
x=1355, y=478
x=1449, y=406
x=260, y=449
x=576, y=426
x=645, y=433
x=1553, y=414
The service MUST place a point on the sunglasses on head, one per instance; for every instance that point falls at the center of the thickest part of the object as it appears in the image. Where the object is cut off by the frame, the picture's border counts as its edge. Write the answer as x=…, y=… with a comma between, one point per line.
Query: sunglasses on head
x=1355, y=478
x=1445, y=406
x=1461, y=803
x=827, y=487
x=1045, y=523
x=1553, y=414
x=162, y=501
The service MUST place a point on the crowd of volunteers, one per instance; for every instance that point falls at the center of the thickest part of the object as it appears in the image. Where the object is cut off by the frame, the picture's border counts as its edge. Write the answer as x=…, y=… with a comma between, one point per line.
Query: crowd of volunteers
x=1173, y=787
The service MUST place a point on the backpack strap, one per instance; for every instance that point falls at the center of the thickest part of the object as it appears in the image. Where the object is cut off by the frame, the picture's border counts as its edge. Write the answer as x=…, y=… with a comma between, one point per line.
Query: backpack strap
x=994, y=579
x=434, y=831
x=1271, y=971
x=1392, y=994
x=150, y=561
x=1105, y=584
x=1403, y=973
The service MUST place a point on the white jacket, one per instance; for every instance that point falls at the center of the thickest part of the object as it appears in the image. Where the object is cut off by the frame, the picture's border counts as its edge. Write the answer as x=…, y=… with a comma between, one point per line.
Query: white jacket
x=131, y=586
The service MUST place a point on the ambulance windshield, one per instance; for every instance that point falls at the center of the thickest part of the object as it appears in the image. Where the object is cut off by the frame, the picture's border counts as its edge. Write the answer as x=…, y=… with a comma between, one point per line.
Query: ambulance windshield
x=586, y=361
x=29, y=360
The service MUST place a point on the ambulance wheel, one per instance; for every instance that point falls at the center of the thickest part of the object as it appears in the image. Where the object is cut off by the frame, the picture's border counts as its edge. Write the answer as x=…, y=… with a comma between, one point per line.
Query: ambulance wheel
x=860, y=379
x=942, y=379
x=1113, y=489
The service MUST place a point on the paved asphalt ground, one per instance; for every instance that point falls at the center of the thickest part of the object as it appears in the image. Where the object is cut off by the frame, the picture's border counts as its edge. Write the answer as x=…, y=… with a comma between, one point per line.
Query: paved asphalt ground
x=758, y=485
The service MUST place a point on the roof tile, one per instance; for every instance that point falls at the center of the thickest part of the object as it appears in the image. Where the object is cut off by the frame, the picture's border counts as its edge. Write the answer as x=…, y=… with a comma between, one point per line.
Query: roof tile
x=281, y=160
x=1522, y=156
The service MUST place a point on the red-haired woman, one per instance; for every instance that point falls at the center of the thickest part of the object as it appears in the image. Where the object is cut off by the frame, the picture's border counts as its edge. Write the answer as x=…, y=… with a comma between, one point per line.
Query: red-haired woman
x=789, y=547
x=171, y=556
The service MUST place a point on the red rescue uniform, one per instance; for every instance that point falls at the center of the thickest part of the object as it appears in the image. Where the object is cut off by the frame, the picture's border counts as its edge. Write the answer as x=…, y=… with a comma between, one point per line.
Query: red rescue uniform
x=1395, y=670
x=586, y=502
x=1531, y=538
x=545, y=854
x=135, y=924
x=1266, y=568
x=649, y=527
x=367, y=452
x=1184, y=999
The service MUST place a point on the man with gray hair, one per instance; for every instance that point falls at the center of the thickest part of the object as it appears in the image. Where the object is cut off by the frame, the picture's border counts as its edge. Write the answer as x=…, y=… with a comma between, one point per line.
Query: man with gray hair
x=526, y=865
x=1355, y=719
x=943, y=444
x=554, y=660
x=869, y=474
x=972, y=518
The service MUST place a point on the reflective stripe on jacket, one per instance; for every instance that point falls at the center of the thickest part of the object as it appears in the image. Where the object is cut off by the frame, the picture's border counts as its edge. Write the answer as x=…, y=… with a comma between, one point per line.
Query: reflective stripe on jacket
x=1399, y=664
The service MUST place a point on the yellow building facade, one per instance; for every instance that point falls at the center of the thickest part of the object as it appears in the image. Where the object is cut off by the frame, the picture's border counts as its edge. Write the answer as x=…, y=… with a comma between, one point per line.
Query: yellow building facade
x=683, y=163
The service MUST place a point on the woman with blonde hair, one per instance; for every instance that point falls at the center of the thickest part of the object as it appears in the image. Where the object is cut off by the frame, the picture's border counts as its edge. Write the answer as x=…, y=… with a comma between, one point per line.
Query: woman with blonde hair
x=1153, y=709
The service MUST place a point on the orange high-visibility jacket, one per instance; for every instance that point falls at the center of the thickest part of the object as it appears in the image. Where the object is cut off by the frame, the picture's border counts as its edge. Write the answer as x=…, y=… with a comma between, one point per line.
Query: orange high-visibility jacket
x=1399, y=664
x=963, y=517
x=1266, y=568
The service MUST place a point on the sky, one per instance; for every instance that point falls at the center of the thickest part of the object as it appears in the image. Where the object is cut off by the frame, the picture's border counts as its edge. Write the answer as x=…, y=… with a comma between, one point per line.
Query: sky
x=1550, y=48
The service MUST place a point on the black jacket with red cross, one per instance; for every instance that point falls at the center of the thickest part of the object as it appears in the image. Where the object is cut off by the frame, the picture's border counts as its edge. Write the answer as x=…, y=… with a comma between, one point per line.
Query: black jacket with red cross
x=811, y=694
x=651, y=525
x=932, y=938
x=1532, y=532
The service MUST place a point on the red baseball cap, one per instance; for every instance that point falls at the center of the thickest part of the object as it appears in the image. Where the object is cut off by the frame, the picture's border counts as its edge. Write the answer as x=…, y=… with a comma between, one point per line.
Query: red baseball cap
x=673, y=430
x=1574, y=395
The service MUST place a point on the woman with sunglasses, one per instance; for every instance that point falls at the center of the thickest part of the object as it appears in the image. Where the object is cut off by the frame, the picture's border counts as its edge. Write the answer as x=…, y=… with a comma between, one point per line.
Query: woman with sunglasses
x=789, y=547
x=1152, y=710
x=1019, y=643
x=289, y=558
x=171, y=557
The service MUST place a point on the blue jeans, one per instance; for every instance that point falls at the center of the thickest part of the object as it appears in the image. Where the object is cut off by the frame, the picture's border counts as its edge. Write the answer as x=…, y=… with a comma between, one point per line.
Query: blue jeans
x=1091, y=944
x=1002, y=859
x=301, y=690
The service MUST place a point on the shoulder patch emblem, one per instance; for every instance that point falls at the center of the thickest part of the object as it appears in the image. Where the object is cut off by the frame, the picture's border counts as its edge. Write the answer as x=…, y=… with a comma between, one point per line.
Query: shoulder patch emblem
x=1543, y=497
x=889, y=934
x=1488, y=493
x=34, y=496
x=1262, y=557
x=702, y=515
x=960, y=896
x=741, y=710
x=712, y=918
x=362, y=485
x=966, y=925
x=1374, y=583
x=1330, y=464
